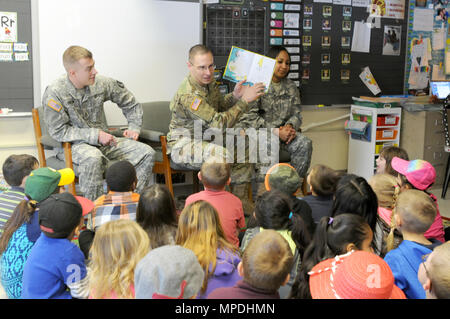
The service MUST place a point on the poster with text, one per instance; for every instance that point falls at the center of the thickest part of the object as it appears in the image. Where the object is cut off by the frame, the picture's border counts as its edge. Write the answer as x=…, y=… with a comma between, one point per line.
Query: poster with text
x=394, y=9
x=8, y=26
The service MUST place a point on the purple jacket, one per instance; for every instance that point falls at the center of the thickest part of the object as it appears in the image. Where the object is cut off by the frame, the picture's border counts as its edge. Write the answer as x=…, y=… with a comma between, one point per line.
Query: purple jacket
x=225, y=274
x=243, y=290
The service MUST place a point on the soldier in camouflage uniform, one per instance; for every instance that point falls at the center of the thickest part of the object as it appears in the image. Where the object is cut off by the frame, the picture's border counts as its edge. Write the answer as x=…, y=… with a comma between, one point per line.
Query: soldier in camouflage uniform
x=73, y=112
x=279, y=110
x=199, y=109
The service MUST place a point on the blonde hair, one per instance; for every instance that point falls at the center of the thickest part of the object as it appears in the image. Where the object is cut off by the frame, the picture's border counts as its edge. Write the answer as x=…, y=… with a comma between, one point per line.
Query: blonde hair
x=199, y=230
x=267, y=260
x=117, y=248
x=416, y=209
x=439, y=273
x=387, y=190
x=73, y=54
x=215, y=172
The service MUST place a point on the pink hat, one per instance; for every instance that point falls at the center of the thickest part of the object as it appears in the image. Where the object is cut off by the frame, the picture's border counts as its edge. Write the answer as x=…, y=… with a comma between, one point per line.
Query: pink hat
x=419, y=173
x=355, y=275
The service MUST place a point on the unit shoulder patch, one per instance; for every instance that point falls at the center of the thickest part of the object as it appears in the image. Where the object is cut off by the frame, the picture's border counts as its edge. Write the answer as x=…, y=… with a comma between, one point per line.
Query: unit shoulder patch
x=54, y=105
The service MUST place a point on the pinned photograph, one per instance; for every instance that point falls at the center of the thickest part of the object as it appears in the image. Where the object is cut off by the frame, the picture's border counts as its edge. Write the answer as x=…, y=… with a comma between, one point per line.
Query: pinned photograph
x=305, y=74
x=345, y=58
x=306, y=58
x=326, y=11
x=391, y=40
x=307, y=24
x=346, y=25
x=326, y=41
x=326, y=25
x=347, y=11
x=345, y=74
x=325, y=74
x=325, y=58
x=306, y=40
x=308, y=9
x=345, y=42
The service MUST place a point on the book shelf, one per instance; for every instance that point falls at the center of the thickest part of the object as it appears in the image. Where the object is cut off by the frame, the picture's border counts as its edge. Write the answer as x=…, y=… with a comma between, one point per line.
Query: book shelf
x=383, y=130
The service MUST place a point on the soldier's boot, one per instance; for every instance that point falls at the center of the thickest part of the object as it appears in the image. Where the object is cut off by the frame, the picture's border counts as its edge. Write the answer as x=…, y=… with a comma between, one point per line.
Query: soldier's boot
x=242, y=192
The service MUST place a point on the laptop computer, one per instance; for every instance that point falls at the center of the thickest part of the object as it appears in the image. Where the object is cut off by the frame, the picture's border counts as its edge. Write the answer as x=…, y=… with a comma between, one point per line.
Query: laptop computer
x=440, y=88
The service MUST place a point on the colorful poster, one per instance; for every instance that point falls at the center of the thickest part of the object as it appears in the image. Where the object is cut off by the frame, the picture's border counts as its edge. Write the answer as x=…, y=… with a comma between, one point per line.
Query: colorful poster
x=8, y=26
x=394, y=9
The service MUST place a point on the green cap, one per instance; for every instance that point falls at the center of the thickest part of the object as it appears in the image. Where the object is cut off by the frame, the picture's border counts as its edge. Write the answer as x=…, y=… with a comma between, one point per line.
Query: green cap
x=284, y=178
x=43, y=182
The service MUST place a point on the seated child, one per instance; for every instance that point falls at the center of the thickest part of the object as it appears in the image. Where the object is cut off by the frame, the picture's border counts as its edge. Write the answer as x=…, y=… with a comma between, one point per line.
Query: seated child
x=120, y=202
x=117, y=248
x=265, y=267
x=55, y=263
x=322, y=182
x=199, y=230
x=434, y=272
x=273, y=210
x=168, y=272
x=16, y=169
x=157, y=215
x=334, y=236
x=22, y=229
x=421, y=175
x=414, y=213
x=384, y=161
x=215, y=175
x=387, y=190
x=284, y=178
x=356, y=275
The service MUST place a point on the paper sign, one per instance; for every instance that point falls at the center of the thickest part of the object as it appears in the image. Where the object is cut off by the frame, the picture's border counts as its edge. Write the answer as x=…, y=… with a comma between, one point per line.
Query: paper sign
x=360, y=3
x=423, y=19
x=20, y=47
x=438, y=39
x=361, y=37
x=8, y=26
x=21, y=56
x=394, y=9
x=6, y=56
x=368, y=79
x=5, y=47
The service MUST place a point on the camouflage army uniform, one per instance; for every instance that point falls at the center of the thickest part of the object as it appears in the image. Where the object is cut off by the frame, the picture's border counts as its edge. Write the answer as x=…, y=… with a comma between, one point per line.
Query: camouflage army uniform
x=278, y=107
x=206, y=108
x=77, y=115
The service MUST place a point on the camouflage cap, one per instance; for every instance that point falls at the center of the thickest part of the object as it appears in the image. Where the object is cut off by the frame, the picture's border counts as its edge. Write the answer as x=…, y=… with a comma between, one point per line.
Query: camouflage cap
x=284, y=178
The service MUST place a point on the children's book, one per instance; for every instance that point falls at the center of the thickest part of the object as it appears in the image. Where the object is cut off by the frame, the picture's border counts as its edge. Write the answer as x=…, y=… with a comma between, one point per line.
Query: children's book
x=249, y=66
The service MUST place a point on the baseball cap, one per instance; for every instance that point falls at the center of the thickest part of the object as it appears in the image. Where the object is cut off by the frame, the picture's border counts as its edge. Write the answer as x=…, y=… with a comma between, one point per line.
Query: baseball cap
x=284, y=178
x=168, y=272
x=43, y=181
x=419, y=173
x=59, y=214
x=355, y=275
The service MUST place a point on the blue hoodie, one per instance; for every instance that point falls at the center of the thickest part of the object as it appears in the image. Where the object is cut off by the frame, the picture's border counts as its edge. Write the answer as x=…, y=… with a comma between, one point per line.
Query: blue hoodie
x=225, y=274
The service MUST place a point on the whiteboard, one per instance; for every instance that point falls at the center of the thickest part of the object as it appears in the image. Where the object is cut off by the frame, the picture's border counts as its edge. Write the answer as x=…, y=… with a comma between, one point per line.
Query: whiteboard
x=142, y=43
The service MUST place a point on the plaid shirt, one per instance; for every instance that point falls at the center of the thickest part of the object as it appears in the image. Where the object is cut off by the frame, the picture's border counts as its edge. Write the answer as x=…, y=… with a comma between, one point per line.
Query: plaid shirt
x=113, y=206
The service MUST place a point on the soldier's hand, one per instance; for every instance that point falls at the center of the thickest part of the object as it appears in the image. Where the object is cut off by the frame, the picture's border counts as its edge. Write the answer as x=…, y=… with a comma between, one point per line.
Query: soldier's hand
x=253, y=92
x=131, y=134
x=106, y=138
x=239, y=90
x=284, y=133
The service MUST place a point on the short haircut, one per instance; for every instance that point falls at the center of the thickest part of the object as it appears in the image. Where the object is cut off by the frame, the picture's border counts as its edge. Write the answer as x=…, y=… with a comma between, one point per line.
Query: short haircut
x=215, y=172
x=73, y=54
x=439, y=273
x=120, y=176
x=198, y=49
x=16, y=167
x=323, y=180
x=267, y=261
x=388, y=153
x=416, y=209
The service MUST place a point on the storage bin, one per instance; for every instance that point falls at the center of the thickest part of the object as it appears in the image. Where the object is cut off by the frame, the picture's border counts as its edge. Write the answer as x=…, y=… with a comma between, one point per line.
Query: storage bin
x=386, y=134
x=387, y=120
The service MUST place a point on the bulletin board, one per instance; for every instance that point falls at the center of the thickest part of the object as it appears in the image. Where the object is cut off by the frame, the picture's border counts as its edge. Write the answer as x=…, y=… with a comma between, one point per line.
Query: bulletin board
x=320, y=71
x=16, y=66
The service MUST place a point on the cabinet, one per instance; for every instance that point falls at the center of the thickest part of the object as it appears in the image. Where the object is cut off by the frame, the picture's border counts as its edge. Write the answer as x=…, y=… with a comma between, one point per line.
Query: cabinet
x=423, y=137
x=383, y=129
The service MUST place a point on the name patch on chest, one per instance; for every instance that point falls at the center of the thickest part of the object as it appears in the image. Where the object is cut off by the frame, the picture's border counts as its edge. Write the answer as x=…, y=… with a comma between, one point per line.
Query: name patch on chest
x=196, y=103
x=54, y=105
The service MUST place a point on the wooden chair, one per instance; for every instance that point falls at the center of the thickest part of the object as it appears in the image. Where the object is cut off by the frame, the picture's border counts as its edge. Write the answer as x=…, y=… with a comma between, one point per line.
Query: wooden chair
x=45, y=142
x=155, y=126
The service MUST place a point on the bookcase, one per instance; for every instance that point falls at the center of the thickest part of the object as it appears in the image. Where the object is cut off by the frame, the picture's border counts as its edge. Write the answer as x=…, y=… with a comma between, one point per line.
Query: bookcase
x=383, y=129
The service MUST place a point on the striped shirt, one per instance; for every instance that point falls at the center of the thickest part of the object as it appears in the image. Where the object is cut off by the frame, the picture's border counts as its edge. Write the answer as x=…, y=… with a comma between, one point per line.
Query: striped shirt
x=8, y=202
x=113, y=206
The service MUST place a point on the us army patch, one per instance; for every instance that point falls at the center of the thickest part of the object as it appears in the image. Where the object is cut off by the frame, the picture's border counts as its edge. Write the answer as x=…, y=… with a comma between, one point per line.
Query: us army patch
x=54, y=105
x=196, y=103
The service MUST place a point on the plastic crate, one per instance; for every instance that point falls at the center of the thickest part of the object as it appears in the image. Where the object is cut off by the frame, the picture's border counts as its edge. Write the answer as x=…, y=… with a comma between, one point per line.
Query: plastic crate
x=387, y=120
x=386, y=134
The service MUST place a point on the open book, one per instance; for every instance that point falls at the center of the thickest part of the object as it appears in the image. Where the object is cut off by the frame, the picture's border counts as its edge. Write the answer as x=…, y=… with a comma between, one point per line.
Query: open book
x=249, y=66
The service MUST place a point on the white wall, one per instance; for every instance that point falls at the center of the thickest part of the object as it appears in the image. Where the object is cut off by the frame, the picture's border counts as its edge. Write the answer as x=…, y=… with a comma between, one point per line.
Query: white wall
x=143, y=43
